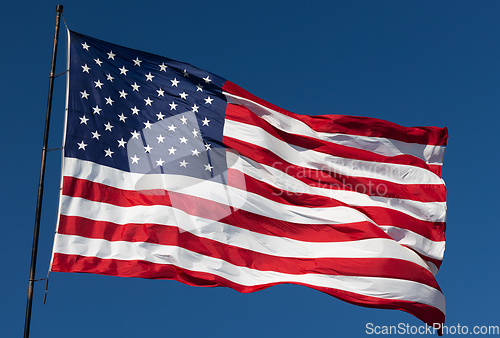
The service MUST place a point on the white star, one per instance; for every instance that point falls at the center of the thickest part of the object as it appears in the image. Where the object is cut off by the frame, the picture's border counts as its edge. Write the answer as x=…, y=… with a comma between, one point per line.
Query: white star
x=172, y=127
x=123, y=94
x=185, y=73
x=184, y=119
x=82, y=145
x=135, y=134
x=99, y=62
x=195, y=153
x=85, y=95
x=108, y=126
x=109, y=101
x=205, y=121
x=183, y=95
x=148, y=101
x=123, y=70
x=109, y=77
x=135, y=111
x=121, y=143
x=95, y=134
x=98, y=83
x=195, y=133
x=111, y=55
x=160, y=92
x=135, y=159
x=174, y=82
x=208, y=146
x=183, y=163
x=122, y=117
x=183, y=140
x=195, y=108
x=163, y=67
x=109, y=152
x=148, y=149
x=172, y=105
x=159, y=163
x=171, y=151
x=208, y=100
x=149, y=77
x=137, y=62
x=83, y=119
x=160, y=116
x=135, y=86
x=85, y=69
x=207, y=79
x=97, y=110
x=208, y=167
x=147, y=124
x=85, y=46
x=160, y=139
x=199, y=88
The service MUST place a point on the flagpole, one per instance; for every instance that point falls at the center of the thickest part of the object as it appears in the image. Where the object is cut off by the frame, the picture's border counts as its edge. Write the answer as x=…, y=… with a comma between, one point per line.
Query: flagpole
x=34, y=249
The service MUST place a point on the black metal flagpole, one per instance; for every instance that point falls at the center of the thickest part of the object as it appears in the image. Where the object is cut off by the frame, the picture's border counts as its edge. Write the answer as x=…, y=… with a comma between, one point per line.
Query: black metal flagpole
x=34, y=249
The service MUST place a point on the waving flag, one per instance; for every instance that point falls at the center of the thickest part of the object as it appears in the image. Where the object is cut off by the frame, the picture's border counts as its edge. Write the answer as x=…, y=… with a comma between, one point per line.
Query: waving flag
x=172, y=172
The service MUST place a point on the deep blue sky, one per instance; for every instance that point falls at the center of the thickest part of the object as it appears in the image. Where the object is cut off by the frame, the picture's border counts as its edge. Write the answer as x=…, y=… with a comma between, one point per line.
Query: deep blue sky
x=410, y=62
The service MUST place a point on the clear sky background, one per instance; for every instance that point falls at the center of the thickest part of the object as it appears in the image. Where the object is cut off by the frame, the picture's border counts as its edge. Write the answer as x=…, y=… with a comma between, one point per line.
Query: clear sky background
x=415, y=63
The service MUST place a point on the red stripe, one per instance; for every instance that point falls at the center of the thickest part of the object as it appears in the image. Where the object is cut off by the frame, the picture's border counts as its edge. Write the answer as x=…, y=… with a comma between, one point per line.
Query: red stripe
x=380, y=215
x=331, y=180
x=218, y=212
x=436, y=168
x=244, y=115
x=201, y=207
x=142, y=269
x=354, y=125
x=171, y=235
x=247, y=183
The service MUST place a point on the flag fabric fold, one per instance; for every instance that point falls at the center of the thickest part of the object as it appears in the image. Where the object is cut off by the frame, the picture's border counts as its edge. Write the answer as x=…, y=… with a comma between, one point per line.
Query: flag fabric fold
x=173, y=172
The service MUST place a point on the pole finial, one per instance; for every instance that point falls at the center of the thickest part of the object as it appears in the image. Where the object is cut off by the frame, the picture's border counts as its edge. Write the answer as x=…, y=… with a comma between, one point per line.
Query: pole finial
x=59, y=8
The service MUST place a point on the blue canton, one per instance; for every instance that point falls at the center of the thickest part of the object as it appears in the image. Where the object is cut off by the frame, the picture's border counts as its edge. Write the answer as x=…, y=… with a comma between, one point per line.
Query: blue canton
x=143, y=113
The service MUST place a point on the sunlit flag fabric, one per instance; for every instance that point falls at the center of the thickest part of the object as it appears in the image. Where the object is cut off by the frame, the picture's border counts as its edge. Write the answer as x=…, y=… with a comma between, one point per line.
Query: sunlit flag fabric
x=172, y=172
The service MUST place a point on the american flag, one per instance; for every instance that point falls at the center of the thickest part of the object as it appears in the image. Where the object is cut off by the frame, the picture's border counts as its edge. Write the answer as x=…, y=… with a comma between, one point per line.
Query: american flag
x=173, y=172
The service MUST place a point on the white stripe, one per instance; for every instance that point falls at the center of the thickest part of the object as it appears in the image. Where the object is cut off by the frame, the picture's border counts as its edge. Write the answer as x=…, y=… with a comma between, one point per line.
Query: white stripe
x=378, y=145
x=386, y=288
x=214, y=190
x=259, y=205
x=397, y=173
x=433, y=267
x=426, y=211
x=94, y=172
x=417, y=242
x=235, y=236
